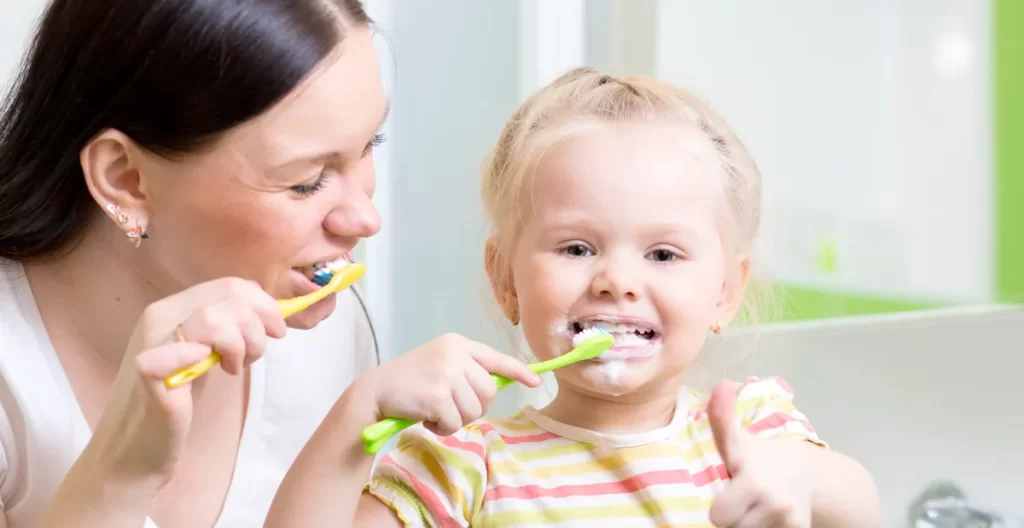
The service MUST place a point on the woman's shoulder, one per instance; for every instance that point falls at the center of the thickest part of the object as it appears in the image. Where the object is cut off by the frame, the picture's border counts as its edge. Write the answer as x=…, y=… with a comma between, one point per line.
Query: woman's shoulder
x=12, y=278
x=36, y=427
x=21, y=330
x=22, y=334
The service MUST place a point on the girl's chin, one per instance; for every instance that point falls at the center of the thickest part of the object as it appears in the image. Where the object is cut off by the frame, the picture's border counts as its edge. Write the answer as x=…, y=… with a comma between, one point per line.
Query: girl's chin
x=617, y=377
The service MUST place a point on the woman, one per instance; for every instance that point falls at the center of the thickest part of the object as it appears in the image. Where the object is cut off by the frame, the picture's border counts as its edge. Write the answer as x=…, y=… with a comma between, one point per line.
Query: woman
x=168, y=169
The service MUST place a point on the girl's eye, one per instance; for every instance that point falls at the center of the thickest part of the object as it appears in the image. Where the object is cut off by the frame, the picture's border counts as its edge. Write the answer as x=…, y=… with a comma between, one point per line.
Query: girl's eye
x=377, y=141
x=577, y=251
x=662, y=255
x=308, y=189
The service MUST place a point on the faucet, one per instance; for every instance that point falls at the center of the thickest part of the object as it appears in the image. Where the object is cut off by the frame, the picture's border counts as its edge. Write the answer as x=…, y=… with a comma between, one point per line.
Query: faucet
x=943, y=504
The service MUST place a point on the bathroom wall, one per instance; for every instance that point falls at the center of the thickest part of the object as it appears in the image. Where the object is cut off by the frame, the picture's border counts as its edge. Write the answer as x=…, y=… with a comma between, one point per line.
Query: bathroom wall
x=454, y=76
x=871, y=122
x=17, y=20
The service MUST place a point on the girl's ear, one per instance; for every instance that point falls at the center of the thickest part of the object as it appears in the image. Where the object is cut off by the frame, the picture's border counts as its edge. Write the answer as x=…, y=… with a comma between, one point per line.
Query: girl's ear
x=499, y=271
x=734, y=288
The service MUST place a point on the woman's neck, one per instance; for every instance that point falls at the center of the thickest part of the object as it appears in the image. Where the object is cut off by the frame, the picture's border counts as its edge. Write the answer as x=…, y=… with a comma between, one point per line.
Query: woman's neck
x=636, y=413
x=91, y=298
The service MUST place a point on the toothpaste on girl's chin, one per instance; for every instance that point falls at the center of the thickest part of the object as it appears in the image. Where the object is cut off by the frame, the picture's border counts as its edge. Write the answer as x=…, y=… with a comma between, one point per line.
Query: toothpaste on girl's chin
x=612, y=372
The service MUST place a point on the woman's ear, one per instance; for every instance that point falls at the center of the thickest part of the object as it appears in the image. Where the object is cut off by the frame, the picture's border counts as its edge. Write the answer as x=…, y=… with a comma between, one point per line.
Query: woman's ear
x=499, y=271
x=734, y=289
x=110, y=165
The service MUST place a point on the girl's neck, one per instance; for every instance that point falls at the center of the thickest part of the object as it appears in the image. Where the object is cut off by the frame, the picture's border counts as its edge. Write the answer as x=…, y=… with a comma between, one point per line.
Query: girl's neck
x=636, y=413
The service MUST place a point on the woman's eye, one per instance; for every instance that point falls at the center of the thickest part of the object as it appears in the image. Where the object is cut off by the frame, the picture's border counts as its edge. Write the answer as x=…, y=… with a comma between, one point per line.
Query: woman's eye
x=377, y=141
x=662, y=255
x=578, y=250
x=307, y=189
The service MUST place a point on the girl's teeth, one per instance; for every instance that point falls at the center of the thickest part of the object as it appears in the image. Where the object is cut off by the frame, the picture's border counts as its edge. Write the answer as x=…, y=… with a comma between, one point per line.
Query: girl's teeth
x=615, y=328
x=630, y=339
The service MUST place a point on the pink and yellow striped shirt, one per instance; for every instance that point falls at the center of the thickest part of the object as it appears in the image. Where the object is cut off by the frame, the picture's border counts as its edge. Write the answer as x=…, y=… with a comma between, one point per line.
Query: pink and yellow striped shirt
x=529, y=470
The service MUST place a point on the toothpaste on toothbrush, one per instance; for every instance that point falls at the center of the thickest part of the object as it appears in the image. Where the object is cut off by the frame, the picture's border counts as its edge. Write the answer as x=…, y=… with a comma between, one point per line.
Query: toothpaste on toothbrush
x=326, y=270
x=586, y=334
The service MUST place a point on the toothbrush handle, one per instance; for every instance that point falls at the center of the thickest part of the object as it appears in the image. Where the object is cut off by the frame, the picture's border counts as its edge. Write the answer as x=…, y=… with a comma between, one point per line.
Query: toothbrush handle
x=289, y=307
x=192, y=371
x=378, y=434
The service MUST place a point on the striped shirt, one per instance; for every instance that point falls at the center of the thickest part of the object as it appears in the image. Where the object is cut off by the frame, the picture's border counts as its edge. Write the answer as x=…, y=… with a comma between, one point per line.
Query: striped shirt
x=529, y=470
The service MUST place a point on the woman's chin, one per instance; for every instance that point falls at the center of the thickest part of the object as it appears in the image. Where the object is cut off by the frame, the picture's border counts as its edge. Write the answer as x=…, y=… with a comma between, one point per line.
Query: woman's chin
x=314, y=315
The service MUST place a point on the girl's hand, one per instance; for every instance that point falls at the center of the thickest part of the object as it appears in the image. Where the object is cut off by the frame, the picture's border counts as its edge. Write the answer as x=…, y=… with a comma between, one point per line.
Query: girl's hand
x=771, y=484
x=445, y=383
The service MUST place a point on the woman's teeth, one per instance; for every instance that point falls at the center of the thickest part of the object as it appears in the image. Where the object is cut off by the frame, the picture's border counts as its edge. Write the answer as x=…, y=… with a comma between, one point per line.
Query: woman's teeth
x=333, y=266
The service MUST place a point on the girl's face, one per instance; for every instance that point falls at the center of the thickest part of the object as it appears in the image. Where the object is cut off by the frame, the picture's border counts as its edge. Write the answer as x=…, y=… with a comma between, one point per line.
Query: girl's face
x=622, y=231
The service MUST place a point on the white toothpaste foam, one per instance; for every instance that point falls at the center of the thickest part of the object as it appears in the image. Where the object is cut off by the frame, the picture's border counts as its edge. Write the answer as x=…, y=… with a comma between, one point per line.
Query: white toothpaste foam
x=612, y=371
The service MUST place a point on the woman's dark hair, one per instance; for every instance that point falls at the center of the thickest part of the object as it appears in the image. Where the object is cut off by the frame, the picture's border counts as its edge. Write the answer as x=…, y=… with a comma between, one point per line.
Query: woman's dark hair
x=171, y=74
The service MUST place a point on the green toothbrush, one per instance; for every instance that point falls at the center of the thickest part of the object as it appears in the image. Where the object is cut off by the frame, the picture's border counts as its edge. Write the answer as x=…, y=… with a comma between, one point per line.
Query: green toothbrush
x=592, y=343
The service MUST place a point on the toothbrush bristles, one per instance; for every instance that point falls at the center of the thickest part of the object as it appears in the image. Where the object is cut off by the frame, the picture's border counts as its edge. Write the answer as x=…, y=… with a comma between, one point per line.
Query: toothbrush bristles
x=322, y=277
x=587, y=334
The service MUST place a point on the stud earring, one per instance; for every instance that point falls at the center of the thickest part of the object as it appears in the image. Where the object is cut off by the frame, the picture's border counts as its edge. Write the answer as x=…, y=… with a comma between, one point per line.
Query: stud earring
x=136, y=234
x=716, y=328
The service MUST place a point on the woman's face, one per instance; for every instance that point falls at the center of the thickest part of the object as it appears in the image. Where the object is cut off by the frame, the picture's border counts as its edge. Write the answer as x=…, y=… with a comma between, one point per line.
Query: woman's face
x=280, y=193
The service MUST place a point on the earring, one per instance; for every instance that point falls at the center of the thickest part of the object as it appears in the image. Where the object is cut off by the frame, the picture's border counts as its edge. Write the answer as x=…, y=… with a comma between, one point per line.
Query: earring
x=136, y=234
x=716, y=328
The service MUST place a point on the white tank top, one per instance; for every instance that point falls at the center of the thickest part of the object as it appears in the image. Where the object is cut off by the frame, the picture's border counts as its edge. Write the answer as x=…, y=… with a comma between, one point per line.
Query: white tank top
x=42, y=429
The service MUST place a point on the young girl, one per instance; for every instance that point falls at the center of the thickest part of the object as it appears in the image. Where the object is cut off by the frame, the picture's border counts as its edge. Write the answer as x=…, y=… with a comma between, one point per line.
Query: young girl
x=625, y=204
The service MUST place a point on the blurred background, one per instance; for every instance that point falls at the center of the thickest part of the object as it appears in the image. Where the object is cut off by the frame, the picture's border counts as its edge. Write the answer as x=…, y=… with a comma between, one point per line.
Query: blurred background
x=889, y=135
x=885, y=131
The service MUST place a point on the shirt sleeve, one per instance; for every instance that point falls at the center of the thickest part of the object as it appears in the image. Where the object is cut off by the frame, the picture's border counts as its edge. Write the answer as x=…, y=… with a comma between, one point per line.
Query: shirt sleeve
x=766, y=409
x=432, y=481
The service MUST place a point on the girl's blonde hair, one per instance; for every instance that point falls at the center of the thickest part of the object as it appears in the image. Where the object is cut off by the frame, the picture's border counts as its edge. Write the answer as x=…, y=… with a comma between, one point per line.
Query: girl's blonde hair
x=583, y=97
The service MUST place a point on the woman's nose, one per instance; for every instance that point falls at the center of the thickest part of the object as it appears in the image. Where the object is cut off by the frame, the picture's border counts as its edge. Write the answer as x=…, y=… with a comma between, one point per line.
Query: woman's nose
x=356, y=216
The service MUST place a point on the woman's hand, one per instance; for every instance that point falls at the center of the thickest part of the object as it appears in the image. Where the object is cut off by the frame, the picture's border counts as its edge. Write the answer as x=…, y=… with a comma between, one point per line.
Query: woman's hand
x=445, y=383
x=143, y=428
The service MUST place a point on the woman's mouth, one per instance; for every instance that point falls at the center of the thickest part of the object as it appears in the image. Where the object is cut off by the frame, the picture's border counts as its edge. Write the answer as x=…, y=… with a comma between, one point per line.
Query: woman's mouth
x=316, y=272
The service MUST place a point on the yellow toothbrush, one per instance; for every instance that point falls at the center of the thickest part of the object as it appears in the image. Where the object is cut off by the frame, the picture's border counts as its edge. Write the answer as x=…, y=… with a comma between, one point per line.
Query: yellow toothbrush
x=591, y=343
x=338, y=280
